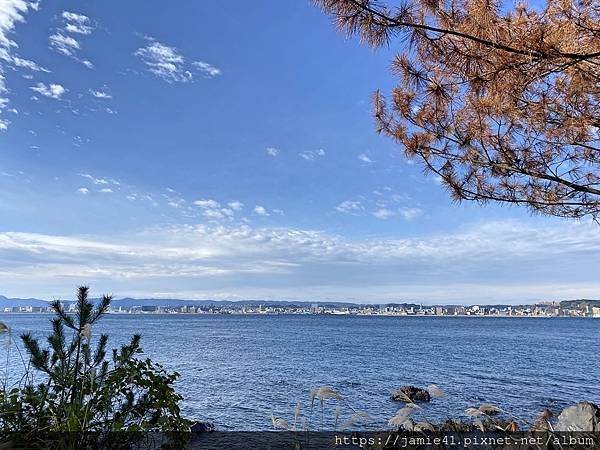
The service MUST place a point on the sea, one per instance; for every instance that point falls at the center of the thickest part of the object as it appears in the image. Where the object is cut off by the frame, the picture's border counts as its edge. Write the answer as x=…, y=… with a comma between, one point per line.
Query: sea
x=237, y=371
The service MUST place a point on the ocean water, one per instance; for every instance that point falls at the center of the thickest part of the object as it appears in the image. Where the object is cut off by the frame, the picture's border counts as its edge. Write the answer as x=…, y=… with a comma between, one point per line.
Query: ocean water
x=238, y=370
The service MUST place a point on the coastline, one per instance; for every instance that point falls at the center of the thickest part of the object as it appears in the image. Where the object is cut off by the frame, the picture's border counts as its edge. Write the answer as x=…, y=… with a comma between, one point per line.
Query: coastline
x=474, y=316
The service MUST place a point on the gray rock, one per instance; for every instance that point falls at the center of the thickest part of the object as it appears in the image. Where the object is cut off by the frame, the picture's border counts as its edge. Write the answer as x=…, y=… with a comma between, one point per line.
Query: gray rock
x=202, y=427
x=489, y=410
x=584, y=416
x=410, y=394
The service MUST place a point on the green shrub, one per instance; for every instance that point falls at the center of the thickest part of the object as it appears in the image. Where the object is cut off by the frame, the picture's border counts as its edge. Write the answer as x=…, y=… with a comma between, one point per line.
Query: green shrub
x=84, y=391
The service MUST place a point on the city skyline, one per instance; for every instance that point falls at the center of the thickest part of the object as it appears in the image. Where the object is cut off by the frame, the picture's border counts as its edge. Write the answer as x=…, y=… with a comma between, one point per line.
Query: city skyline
x=193, y=152
x=570, y=308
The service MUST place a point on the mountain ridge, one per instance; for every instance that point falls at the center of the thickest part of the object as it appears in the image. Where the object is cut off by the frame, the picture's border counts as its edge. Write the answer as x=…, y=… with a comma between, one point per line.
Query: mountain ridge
x=129, y=302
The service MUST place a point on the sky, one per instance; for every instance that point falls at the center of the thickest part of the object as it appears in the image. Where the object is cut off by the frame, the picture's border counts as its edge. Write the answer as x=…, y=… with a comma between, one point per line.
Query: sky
x=205, y=150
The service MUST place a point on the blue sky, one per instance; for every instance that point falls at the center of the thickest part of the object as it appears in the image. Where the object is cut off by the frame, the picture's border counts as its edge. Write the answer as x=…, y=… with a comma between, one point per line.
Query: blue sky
x=203, y=150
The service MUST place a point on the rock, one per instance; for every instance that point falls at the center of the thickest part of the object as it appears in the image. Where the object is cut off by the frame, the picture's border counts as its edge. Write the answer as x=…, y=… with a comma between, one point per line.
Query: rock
x=3, y=328
x=542, y=423
x=202, y=427
x=584, y=416
x=489, y=410
x=455, y=426
x=409, y=394
x=424, y=427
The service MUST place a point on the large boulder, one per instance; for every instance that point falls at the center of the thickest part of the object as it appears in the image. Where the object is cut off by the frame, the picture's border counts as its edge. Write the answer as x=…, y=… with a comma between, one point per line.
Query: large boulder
x=584, y=416
x=202, y=427
x=409, y=394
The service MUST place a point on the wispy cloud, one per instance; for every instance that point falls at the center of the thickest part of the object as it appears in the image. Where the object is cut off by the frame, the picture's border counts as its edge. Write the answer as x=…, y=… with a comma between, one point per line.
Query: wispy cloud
x=382, y=203
x=169, y=64
x=164, y=61
x=207, y=203
x=100, y=94
x=100, y=181
x=350, y=206
x=311, y=155
x=236, y=205
x=482, y=263
x=25, y=64
x=383, y=213
x=65, y=45
x=212, y=210
x=77, y=23
x=207, y=69
x=272, y=151
x=261, y=211
x=55, y=91
x=410, y=213
x=66, y=38
x=11, y=13
x=364, y=158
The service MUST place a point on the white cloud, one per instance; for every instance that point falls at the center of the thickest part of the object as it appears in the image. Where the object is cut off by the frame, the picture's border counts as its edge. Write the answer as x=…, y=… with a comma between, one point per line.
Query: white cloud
x=383, y=213
x=65, y=45
x=364, y=158
x=100, y=94
x=207, y=69
x=167, y=63
x=311, y=155
x=236, y=205
x=483, y=263
x=100, y=181
x=27, y=64
x=83, y=191
x=260, y=210
x=106, y=190
x=65, y=39
x=77, y=23
x=272, y=151
x=55, y=91
x=77, y=29
x=213, y=214
x=164, y=61
x=11, y=13
x=209, y=204
x=410, y=213
x=350, y=206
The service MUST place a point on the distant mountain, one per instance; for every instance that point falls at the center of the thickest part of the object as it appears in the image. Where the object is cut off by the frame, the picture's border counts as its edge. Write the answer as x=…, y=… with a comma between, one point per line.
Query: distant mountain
x=579, y=303
x=177, y=303
x=20, y=302
x=171, y=303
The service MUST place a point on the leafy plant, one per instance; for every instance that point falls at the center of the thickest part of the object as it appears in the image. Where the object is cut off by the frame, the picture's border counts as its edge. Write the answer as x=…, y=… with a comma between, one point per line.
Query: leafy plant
x=84, y=391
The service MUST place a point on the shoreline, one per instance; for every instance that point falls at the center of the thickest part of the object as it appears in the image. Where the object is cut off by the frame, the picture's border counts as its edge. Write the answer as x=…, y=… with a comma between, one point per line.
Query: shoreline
x=421, y=316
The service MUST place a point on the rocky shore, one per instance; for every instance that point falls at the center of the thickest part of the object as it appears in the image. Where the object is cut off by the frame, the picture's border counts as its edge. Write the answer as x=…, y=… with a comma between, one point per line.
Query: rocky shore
x=582, y=417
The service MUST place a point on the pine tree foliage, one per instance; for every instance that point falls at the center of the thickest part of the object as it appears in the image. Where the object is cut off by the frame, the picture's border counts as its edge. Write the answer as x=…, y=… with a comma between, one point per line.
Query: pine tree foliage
x=500, y=102
x=81, y=390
